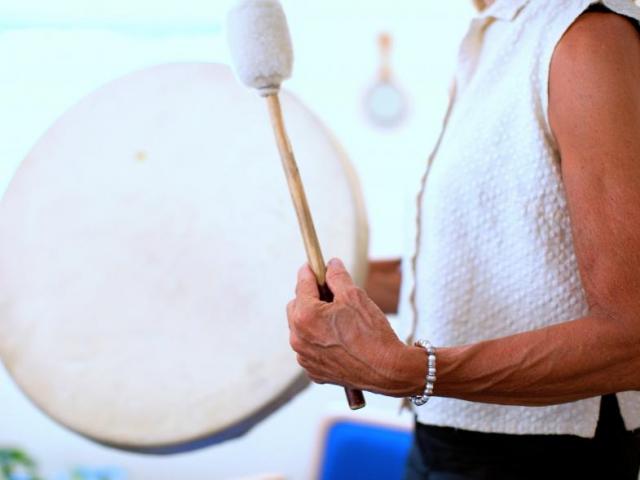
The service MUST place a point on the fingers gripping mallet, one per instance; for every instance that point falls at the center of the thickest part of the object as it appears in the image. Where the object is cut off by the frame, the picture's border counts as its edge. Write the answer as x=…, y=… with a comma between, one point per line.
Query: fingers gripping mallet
x=263, y=57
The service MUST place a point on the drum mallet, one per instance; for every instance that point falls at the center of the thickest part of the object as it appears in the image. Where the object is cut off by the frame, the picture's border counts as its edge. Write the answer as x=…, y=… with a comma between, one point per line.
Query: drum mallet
x=261, y=49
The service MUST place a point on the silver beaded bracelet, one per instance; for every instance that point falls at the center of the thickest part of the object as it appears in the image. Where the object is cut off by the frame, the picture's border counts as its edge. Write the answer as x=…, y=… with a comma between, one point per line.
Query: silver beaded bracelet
x=420, y=400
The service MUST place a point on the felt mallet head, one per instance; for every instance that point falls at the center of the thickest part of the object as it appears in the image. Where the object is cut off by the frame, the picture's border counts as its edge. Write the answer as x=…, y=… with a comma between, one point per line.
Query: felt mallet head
x=260, y=44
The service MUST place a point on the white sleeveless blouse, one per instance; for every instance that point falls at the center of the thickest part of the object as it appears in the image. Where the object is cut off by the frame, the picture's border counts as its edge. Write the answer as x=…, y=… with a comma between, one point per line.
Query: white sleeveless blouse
x=494, y=253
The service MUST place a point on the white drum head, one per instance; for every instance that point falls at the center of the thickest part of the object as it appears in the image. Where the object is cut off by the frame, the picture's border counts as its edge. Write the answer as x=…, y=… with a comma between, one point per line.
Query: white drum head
x=148, y=248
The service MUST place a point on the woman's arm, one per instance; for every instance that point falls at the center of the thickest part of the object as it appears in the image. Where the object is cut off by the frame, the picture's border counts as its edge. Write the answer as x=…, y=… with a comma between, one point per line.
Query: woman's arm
x=595, y=116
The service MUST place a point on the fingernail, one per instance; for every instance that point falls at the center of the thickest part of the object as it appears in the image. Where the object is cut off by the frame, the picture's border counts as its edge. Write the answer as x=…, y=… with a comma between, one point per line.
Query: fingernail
x=304, y=270
x=336, y=262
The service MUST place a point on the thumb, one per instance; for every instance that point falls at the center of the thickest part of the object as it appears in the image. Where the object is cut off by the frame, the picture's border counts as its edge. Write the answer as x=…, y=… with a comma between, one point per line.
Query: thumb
x=338, y=278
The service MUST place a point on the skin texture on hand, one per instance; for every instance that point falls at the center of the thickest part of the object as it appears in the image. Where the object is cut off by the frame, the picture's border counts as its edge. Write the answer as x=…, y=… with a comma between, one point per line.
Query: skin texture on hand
x=349, y=342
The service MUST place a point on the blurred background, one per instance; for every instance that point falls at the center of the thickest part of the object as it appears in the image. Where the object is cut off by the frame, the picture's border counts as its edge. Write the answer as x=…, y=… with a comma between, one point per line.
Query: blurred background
x=376, y=72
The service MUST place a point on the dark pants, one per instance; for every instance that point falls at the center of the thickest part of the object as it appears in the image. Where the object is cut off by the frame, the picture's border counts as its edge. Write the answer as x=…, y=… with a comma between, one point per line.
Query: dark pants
x=442, y=453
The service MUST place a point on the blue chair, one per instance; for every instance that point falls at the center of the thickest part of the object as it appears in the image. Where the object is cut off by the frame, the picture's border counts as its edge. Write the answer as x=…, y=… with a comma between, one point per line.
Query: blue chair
x=355, y=450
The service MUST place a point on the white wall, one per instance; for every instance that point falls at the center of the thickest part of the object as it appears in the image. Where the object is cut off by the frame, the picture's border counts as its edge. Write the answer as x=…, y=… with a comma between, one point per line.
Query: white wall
x=47, y=69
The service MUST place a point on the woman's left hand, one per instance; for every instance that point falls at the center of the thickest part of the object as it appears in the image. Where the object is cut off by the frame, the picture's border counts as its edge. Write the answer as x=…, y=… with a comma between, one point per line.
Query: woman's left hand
x=349, y=342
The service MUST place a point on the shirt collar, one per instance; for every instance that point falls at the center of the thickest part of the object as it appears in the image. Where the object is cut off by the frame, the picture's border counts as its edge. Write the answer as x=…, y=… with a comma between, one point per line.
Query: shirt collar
x=503, y=9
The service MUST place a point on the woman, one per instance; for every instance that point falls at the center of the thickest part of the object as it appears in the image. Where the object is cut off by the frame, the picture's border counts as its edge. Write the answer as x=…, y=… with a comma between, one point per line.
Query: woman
x=526, y=272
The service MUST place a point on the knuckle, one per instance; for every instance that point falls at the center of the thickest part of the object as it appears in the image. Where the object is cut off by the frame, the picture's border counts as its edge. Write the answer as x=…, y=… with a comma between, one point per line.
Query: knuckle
x=291, y=309
x=336, y=274
x=296, y=321
x=296, y=343
x=305, y=316
x=354, y=294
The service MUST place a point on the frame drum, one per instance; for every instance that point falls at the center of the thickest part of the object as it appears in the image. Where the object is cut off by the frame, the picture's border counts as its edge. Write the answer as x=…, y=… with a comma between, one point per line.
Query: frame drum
x=148, y=248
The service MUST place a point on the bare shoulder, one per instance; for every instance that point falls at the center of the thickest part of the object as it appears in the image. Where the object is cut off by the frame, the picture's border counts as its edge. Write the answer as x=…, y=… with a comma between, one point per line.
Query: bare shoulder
x=597, y=47
x=598, y=44
x=595, y=68
x=600, y=31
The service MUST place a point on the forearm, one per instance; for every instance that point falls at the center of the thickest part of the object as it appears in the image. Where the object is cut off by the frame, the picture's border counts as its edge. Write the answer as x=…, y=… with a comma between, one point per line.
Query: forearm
x=583, y=358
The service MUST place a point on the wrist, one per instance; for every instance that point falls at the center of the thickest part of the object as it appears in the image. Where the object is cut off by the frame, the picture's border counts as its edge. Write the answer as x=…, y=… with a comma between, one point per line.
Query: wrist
x=409, y=372
x=420, y=400
x=414, y=373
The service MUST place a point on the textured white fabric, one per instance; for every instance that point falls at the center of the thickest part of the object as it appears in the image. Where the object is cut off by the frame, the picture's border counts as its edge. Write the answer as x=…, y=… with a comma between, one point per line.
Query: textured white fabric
x=494, y=253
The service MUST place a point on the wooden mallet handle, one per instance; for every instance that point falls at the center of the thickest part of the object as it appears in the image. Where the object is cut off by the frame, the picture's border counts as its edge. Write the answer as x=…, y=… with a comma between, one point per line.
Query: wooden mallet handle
x=311, y=244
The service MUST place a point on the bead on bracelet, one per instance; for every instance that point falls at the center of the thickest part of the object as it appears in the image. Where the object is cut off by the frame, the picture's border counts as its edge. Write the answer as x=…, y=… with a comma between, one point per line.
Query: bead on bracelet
x=430, y=379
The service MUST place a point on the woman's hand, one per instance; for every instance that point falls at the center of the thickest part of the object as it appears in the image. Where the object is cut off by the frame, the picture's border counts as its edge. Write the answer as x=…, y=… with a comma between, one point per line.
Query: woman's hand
x=349, y=342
